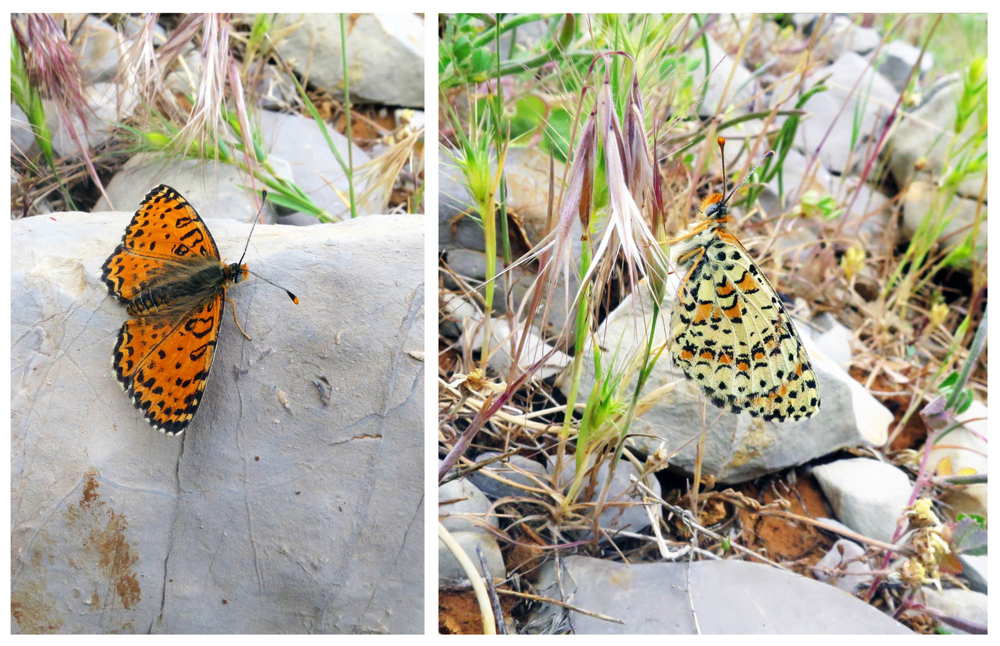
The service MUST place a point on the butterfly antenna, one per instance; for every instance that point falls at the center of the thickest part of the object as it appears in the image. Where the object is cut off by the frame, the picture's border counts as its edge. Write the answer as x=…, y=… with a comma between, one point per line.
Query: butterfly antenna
x=722, y=145
x=293, y=297
x=263, y=199
x=722, y=154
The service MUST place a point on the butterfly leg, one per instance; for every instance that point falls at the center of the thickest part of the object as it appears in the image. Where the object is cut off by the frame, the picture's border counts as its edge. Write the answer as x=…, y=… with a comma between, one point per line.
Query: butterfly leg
x=237, y=321
x=701, y=226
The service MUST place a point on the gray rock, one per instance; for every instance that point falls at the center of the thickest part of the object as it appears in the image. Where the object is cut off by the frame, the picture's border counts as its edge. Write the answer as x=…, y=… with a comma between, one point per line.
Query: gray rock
x=504, y=342
x=470, y=265
x=297, y=219
x=867, y=495
x=804, y=21
x=463, y=507
x=454, y=311
x=187, y=73
x=297, y=151
x=844, y=566
x=868, y=215
x=898, y=58
x=98, y=47
x=624, y=508
x=460, y=233
x=276, y=90
x=924, y=134
x=796, y=180
x=216, y=190
x=829, y=123
x=964, y=604
x=957, y=218
x=298, y=141
x=386, y=54
x=107, y=105
x=22, y=139
x=132, y=27
x=724, y=75
x=832, y=338
x=708, y=597
x=516, y=468
x=455, y=229
x=285, y=507
x=452, y=575
x=851, y=37
x=737, y=447
x=527, y=175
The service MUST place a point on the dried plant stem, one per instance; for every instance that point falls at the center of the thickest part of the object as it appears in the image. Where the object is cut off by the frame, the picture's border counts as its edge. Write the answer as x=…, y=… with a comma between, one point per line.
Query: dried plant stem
x=693, y=522
x=347, y=114
x=478, y=586
x=699, y=459
x=561, y=604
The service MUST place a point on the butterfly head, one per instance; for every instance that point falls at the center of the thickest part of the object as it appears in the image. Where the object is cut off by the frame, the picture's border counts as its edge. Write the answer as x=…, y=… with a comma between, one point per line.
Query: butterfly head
x=715, y=206
x=236, y=272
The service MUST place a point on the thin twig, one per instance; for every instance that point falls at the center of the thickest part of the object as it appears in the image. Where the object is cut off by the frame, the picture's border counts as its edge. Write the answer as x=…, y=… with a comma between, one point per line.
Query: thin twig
x=561, y=604
x=489, y=626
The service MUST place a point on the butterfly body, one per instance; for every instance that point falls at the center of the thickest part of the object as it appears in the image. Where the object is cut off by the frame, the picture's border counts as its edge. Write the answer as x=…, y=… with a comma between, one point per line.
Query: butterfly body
x=183, y=284
x=168, y=275
x=730, y=332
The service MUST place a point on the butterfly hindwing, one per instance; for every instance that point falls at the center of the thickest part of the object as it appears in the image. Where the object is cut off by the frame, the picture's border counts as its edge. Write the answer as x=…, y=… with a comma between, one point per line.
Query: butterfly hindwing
x=163, y=363
x=783, y=380
x=731, y=334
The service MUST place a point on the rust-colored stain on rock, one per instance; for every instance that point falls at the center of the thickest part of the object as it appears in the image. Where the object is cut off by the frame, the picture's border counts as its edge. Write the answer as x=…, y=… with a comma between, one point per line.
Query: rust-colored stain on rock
x=90, y=542
x=33, y=610
x=90, y=486
x=115, y=555
x=116, y=558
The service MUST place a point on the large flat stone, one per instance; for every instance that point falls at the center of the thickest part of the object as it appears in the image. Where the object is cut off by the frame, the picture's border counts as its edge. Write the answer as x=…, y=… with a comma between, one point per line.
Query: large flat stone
x=292, y=504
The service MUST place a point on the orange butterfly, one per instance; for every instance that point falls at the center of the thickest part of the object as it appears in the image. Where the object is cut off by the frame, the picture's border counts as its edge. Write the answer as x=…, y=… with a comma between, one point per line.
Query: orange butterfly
x=167, y=273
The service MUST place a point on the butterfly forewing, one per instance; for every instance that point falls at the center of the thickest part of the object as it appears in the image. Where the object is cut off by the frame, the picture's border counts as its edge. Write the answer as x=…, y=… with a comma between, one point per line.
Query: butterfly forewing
x=731, y=334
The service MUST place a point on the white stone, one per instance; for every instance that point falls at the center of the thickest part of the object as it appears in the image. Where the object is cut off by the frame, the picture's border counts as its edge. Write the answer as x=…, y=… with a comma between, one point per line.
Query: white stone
x=98, y=47
x=527, y=473
x=297, y=140
x=107, y=104
x=214, y=189
x=844, y=566
x=921, y=201
x=867, y=495
x=725, y=75
x=463, y=507
x=624, y=501
x=22, y=139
